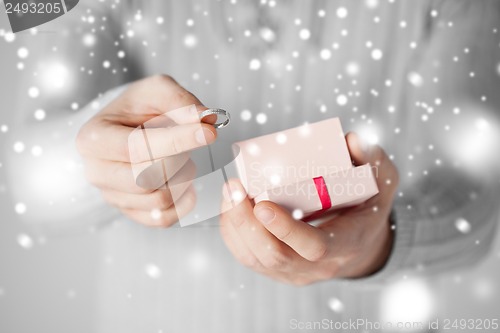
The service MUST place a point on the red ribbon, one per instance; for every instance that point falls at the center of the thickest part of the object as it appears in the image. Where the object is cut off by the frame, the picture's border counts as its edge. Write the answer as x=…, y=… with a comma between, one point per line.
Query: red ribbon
x=324, y=196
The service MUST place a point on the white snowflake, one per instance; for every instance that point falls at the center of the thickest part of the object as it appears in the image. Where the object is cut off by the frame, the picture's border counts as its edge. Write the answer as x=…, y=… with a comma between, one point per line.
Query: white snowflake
x=415, y=79
x=342, y=100
x=33, y=92
x=281, y=138
x=304, y=34
x=254, y=64
x=246, y=115
x=22, y=53
x=153, y=271
x=297, y=214
x=25, y=241
x=352, y=68
x=36, y=151
x=463, y=225
x=9, y=37
x=18, y=147
x=261, y=118
x=88, y=40
x=336, y=305
x=342, y=12
x=325, y=54
x=39, y=115
x=377, y=54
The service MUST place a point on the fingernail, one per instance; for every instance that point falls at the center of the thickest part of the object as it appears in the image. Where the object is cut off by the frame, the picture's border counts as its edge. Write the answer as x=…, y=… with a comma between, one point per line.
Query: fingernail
x=203, y=136
x=233, y=193
x=265, y=214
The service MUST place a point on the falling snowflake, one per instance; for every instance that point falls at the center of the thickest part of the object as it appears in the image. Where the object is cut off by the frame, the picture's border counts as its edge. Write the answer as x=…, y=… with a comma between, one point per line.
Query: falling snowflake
x=342, y=12
x=415, y=79
x=33, y=92
x=336, y=305
x=463, y=225
x=325, y=54
x=261, y=118
x=198, y=261
x=246, y=115
x=25, y=241
x=22, y=53
x=9, y=37
x=254, y=64
x=39, y=114
x=267, y=34
x=55, y=76
x=190, y=41
x=483, y=289
x=342, y=100
x=371, y=3
x=352, y=68
x=88, y=40
x=281, y=138
x=297, y=214
x=18, y=147
x=36, y=151
x=304, y=34
x=156, y=214
x=237, y=196
x=253, y=149
x=275, y=179
x=377, y=54
x=153, y=271
x=20, y=208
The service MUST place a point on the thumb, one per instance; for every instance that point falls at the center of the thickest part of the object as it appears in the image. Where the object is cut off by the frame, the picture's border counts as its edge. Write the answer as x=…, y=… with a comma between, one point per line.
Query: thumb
x=359, y=149
x=384, y=170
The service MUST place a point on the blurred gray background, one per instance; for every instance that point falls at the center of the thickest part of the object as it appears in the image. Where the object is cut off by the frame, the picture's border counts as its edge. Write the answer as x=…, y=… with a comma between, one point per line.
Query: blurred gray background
x=49, y=287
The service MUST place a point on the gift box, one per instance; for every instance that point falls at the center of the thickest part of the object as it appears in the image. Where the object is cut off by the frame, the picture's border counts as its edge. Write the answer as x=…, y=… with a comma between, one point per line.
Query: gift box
x=307, y=168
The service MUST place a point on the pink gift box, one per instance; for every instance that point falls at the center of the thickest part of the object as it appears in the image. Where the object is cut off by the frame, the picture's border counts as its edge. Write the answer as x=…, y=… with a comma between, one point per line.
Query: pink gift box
x=306, y=168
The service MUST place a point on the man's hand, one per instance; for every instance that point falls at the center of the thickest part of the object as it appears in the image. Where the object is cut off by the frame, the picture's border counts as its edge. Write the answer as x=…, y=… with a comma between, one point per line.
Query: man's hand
x=104, y=142
x=354, y=243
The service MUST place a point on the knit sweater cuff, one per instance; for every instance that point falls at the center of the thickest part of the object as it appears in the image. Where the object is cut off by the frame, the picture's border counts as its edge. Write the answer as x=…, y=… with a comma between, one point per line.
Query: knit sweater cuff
x=403, y=224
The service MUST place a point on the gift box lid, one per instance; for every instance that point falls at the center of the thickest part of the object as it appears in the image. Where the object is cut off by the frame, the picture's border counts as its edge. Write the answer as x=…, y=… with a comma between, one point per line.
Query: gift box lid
x=292, y=155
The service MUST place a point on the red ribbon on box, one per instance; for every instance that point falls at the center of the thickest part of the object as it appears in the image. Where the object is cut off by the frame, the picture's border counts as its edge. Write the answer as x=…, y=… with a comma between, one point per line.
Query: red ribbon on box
x=324, y=196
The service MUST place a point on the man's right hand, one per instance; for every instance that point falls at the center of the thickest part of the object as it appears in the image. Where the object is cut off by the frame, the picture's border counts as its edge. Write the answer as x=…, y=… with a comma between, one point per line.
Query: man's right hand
x=103, y=142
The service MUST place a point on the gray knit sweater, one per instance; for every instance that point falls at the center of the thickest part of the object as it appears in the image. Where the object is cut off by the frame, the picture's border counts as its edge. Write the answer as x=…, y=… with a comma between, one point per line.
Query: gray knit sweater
x=419, y=77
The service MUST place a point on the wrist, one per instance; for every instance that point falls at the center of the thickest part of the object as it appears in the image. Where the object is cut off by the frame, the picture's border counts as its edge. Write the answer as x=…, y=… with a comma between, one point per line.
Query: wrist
x=387, y=241
x=377, y=252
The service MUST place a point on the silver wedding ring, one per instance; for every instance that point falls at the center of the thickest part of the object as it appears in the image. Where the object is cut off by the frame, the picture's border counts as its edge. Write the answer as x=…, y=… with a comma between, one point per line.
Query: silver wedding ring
x=218, y=112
